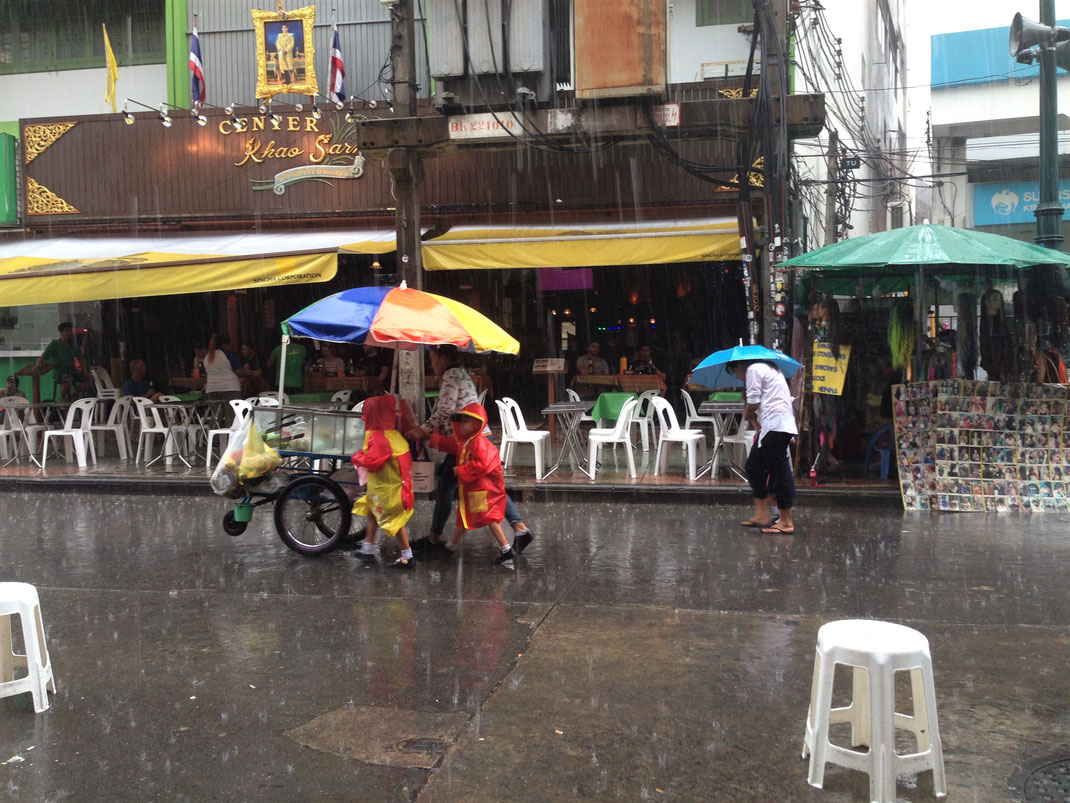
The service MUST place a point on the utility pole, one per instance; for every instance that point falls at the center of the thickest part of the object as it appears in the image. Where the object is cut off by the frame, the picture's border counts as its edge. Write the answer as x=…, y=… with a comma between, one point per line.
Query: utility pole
x=1049, y=212
x=831, y=186
x=406, y=170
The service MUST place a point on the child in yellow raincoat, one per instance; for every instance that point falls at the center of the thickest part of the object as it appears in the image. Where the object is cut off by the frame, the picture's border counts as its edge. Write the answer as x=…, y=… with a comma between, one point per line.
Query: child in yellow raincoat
x=389, y=500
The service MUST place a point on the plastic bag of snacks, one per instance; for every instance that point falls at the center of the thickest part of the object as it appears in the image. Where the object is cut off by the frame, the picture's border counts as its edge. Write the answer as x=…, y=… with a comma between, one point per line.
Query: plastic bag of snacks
x=246, y=459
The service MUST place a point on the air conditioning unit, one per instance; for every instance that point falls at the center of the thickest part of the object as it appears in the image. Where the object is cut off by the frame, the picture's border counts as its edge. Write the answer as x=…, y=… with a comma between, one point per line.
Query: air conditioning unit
x=498, y=53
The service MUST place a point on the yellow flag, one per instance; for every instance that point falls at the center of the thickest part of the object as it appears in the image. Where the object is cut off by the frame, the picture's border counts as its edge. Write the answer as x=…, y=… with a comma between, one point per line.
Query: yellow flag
x=112, y=70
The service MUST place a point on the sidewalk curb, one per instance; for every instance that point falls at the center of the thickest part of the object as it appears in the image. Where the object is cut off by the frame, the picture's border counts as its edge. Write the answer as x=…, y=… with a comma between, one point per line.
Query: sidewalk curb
x=524, y=491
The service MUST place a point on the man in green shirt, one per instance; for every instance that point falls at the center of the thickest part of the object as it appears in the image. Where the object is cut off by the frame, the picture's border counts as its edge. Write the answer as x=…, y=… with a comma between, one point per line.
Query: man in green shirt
x=295, y=362
x=69, y=371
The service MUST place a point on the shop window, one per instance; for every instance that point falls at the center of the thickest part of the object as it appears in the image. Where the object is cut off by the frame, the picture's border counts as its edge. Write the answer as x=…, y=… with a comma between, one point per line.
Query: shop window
x=47, y=35
x=723, y=12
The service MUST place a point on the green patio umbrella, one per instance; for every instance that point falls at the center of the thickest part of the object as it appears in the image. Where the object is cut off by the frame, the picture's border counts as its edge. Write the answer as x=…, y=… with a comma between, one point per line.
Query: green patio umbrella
x=904, y=258
x=896, y=258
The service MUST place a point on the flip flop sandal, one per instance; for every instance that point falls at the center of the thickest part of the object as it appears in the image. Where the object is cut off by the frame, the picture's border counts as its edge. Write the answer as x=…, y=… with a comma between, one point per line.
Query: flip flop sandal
x=769, y=523
x=778, y=531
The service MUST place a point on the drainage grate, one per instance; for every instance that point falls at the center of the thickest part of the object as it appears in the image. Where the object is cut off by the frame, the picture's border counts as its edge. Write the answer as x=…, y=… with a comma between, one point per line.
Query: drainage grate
x=1044, y=780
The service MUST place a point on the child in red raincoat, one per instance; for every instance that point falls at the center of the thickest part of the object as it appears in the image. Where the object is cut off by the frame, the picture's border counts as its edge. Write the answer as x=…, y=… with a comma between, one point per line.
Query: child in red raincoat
x=480, y=483
x=389, y=500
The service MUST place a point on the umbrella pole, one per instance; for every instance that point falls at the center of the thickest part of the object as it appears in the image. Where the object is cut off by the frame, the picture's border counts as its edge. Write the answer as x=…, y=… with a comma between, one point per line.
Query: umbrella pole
x=282, y=366
x=920, y=322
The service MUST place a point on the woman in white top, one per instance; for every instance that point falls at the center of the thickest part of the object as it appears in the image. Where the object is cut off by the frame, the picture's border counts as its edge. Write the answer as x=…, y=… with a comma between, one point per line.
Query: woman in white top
x=769, y=410
x=222, y=383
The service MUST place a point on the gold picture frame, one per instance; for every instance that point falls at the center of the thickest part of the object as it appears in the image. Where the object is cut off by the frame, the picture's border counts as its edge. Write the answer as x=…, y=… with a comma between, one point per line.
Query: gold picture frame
x=290, y=69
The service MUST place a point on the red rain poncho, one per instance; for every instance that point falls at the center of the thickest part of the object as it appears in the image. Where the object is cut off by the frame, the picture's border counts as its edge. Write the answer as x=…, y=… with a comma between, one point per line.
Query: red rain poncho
x=480, y=483
x=385, y=456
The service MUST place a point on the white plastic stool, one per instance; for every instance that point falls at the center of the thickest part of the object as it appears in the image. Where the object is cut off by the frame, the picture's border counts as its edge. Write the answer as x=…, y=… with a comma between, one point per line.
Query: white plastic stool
x=876, y=650
x=21, y=599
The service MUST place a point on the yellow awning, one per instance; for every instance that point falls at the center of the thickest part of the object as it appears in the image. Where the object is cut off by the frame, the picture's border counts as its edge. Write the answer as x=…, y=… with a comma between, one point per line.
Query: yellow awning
x=584, y=245
x=67, y=270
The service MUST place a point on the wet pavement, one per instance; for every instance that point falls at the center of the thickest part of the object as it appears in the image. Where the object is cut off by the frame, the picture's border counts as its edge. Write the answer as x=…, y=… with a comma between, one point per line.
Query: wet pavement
x=636, y=651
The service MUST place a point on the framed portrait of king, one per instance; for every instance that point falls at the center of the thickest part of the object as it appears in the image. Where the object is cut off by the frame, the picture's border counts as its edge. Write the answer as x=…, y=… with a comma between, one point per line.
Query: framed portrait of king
x=284, y=52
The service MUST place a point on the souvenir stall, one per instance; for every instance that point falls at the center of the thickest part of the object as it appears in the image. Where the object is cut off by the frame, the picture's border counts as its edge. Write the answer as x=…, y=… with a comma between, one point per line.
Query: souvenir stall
x=909, y=309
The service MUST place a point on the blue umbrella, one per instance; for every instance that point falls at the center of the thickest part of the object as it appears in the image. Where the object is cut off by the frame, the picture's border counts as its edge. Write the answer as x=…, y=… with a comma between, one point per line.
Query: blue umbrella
x=711, y=371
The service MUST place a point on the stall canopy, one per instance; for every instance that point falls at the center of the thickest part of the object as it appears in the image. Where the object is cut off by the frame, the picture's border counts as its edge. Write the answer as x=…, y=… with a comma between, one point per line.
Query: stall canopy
x=84, y=269
x=578, y=245
x=896, y=259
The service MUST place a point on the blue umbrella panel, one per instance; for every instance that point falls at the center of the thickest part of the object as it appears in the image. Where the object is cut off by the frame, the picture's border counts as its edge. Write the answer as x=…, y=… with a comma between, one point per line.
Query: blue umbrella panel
x=712, y=373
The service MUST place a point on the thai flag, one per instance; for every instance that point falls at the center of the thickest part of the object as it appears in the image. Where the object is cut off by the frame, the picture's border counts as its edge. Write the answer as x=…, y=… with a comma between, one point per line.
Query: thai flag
x=337, y=92
x=196, y=72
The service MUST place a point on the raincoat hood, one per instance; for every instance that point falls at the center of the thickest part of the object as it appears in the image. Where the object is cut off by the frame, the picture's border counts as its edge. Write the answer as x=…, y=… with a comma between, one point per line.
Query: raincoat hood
x=380, y=412
x=473, y=410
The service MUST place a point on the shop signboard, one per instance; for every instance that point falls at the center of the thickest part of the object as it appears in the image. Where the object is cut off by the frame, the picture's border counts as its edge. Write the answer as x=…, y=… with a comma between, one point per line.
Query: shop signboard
x=829, y=372
x=1011, y=202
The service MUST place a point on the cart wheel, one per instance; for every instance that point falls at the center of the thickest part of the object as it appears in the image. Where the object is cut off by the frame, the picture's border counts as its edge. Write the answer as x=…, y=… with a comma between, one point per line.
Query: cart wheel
x=312, y=514
x=232, y=527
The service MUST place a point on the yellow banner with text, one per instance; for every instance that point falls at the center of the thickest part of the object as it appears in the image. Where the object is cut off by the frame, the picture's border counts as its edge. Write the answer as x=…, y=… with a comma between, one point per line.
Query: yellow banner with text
x=828, y=372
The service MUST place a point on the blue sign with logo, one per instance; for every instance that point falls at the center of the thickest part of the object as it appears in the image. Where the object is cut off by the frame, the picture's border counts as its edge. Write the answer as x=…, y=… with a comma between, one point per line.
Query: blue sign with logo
x=1012, y=202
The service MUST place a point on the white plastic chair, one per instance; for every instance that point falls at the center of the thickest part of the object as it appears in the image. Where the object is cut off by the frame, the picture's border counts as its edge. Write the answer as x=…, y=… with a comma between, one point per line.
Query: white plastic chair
x=274, y=395
x=117, y=424
x=267, y=401
x=645, y=419
x=77, y=428
x=9, y=433
x=20, y=599
x=692, y=414
x=358, y=407
x=241, y=409
x=620, y=433
x=515, y=430
x=342, y=396
x=671, y=432
x=29, y=429
x=103, y=383
x=482, y=398
x=586, y=417
x=741, y=439
x=150, y=425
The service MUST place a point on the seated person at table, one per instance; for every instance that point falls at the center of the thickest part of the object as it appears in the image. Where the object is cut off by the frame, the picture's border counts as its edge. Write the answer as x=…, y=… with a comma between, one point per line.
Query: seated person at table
x=11, y=389
x=68, y=365
x=250, y=373
x=295, y=363
x=375, y=362
x=643, y=363
x=139, y=383
x=332, y=364
x=591, y=363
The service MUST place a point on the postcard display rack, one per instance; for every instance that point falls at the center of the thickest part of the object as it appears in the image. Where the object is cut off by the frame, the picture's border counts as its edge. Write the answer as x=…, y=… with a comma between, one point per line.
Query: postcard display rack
x=973, y=446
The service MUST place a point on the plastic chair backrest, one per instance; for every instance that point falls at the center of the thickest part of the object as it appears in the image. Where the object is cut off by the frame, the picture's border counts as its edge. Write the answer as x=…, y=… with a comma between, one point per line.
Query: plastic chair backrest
x=169, y=399
x=281, y=398
x=119, y=412
x=482, y=397
x=646, y=407
x=519, y=424
x=342, y=396
x=80, y=411
x=358, y=407
x=624, y=420
x=149, y=418
x=101, y=378
x=572, y=395
x=268, y=401
x=666, y=415
x=12, y=403
x=241, y=409
x=505, y=413
x=689, y=403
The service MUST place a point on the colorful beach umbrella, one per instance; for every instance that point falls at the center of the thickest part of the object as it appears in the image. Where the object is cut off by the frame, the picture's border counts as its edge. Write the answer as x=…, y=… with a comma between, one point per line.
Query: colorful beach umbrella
x=711, y=371
x=399, y=317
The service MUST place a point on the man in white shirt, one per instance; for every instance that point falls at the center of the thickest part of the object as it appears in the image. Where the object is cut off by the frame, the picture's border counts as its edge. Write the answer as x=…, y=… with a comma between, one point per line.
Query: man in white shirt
x=769, y=410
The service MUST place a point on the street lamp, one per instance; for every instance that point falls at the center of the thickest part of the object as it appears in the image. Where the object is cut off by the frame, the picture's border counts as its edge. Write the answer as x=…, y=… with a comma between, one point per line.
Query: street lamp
x=1053, y=49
